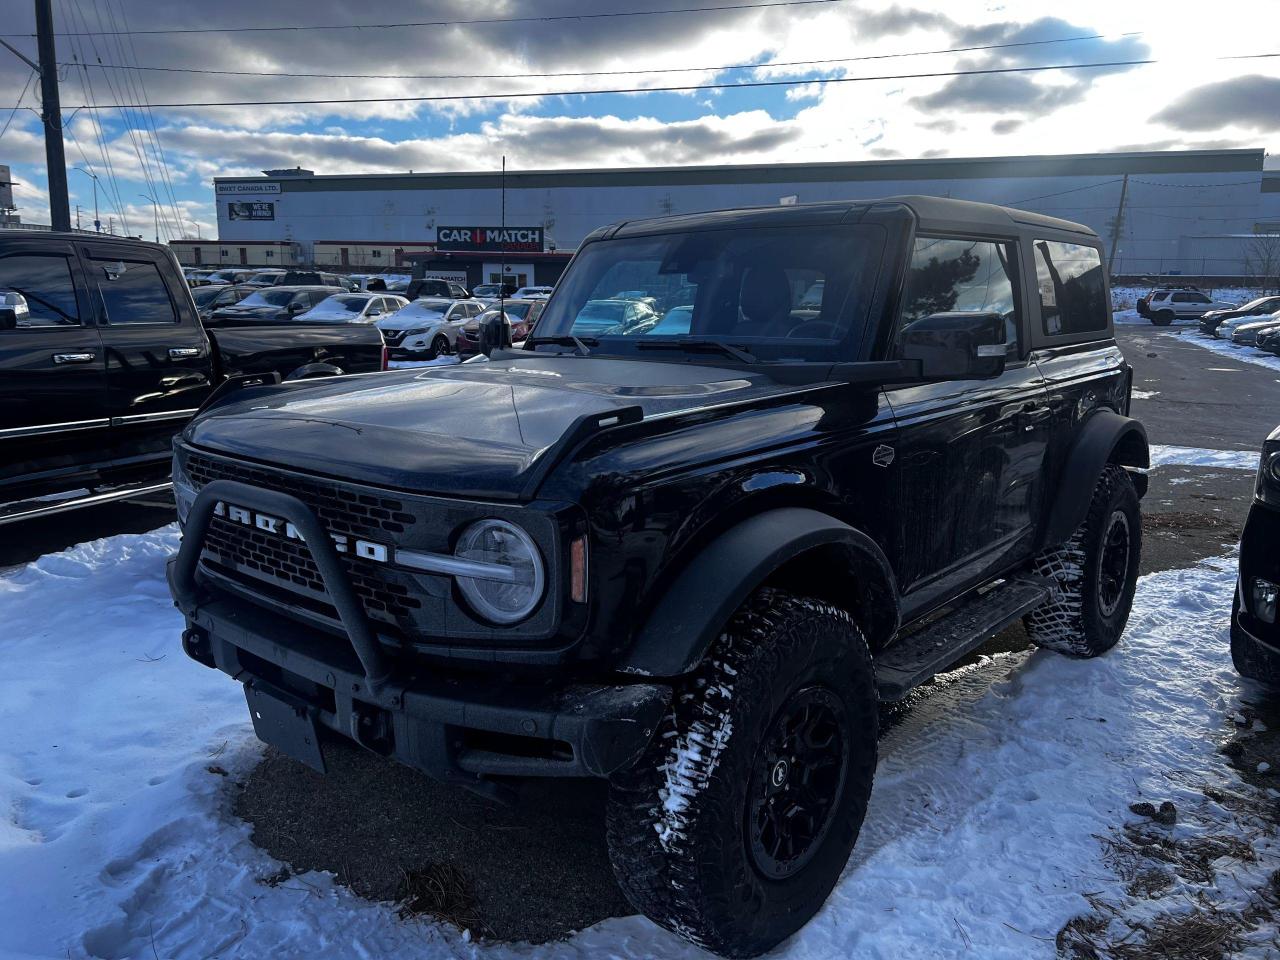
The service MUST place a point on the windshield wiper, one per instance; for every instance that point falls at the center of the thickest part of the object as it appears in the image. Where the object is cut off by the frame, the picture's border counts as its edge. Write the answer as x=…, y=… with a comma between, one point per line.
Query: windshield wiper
x=691, y=344
x=579, y=344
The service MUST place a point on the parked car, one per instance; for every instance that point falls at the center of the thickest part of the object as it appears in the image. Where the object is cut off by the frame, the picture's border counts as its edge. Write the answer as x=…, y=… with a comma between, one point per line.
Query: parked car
x=1163, y=305
x=531, y=293
x=1269, y=340
x=1255, y=635
x=1254, y=308
x=231, y=276
x=599, y=317
x=435, y=287
x=353, y=308
x=273, y=304
x=1226, y=329
x=1246, y=333
x=197, y=278
x=218, y=295
x=265, y=278
x=494, y=291
x=315, y=278
x=111, y=359
x=692, y=566
x=427, y=328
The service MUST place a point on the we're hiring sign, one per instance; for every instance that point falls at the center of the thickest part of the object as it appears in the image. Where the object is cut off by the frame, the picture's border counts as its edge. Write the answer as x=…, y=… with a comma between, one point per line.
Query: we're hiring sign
x=490, y=239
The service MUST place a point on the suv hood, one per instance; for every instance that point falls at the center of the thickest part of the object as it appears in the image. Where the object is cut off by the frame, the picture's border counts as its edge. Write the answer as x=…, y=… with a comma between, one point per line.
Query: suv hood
x=469, y=430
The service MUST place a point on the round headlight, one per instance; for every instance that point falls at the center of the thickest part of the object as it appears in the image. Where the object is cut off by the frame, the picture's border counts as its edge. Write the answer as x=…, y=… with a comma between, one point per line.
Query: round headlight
x=1271, y=465
x=512, y=586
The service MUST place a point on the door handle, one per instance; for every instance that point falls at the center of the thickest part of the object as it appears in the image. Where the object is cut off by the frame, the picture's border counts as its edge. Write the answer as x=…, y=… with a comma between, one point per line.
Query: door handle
x=74, y=357
x=182, y=353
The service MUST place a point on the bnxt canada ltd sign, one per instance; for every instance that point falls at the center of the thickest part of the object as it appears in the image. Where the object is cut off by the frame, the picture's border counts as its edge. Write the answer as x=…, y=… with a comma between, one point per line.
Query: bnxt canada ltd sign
x=490, y=239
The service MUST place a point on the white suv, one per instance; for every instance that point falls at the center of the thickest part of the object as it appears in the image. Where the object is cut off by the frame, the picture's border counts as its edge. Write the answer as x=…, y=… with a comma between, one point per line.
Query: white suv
x=1163, y=306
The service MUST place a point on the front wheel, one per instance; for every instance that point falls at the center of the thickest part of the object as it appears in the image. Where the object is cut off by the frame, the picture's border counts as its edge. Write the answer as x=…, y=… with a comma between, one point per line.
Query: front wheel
x=1095, y=573
x=439, y=346
x=734, y=826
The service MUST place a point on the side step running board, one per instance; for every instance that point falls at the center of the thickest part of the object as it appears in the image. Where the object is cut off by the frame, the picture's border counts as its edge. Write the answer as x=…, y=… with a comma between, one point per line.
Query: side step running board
x=918, y=657
x=43, y=507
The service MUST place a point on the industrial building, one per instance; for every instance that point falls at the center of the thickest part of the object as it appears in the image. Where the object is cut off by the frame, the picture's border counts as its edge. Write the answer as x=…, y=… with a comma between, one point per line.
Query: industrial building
x=1194, y=213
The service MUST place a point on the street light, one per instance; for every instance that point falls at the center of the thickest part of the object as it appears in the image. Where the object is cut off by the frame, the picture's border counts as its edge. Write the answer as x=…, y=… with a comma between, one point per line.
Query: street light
x=197, y=224
x=155, y=208
x=97, y=224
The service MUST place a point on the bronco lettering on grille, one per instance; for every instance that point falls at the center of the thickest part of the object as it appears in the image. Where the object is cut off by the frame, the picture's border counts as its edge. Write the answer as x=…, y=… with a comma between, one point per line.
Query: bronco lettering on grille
x=364, y=549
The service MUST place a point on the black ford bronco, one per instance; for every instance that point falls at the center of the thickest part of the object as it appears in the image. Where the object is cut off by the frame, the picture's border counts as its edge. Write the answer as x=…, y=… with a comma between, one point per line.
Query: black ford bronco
x=691, y=556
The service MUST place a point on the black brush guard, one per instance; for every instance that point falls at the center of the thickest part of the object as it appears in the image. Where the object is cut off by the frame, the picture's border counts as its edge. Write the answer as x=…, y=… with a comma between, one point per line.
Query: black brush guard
x=596, y=729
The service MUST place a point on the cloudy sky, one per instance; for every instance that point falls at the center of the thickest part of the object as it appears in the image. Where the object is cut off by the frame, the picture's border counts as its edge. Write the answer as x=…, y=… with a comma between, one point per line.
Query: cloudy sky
x=1192, y=96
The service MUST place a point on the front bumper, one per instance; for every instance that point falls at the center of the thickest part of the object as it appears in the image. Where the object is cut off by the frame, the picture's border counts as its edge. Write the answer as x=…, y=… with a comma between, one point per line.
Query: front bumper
x=1258, y=559
x=456, y=727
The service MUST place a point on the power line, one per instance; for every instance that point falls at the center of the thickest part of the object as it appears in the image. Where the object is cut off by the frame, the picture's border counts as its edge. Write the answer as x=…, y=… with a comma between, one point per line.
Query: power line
x=721, y=8
x=5, y=129
x=601, y=73
x=525, y=94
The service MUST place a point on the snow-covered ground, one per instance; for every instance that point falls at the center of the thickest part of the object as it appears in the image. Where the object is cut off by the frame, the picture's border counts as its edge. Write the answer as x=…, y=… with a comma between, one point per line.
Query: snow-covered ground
x=1232, y=351
x=1163, y=455
x=116, y=837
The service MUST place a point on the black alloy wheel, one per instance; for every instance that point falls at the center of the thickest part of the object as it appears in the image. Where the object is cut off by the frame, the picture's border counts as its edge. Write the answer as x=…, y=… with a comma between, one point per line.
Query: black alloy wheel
x=798, y=779
x=1113, y=563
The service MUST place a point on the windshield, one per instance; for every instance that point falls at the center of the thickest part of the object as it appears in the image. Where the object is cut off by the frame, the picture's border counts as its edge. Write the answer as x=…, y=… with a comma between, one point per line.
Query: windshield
x=204, y=296
x=792, y=290
x=268, y=298
x=1260, y=303
x=344, y=304
x=422, y=310
x=487, y=290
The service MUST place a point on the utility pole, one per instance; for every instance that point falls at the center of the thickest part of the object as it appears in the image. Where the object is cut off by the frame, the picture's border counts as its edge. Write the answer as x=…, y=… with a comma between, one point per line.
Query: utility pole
x=155, y=209
x=97, y=224
x=111, y=226
x=59, y=204
x=77, y=217
x=1116, y=224
x=51, y=113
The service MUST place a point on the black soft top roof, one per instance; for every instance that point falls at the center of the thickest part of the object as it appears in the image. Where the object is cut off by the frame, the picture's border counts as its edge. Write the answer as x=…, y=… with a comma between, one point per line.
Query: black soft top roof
x=940, y=214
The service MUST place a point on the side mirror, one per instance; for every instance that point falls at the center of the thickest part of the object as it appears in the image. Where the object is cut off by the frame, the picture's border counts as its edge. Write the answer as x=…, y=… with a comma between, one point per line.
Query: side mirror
x=494, y=335
x=956, y=345
x=296, y=307
x=375, y=312
x=8, y=318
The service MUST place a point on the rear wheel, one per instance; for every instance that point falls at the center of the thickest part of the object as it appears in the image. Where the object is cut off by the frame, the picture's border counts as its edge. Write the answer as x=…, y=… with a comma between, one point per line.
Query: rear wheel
x=733, y=827
x=1163, y=318
x=1095, y=573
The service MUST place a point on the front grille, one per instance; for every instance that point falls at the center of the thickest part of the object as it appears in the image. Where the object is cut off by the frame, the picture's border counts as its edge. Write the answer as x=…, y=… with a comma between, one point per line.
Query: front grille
x=251, y=556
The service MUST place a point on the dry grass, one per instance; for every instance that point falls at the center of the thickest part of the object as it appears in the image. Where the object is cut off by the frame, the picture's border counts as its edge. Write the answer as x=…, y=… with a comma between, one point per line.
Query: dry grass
x=439, y=890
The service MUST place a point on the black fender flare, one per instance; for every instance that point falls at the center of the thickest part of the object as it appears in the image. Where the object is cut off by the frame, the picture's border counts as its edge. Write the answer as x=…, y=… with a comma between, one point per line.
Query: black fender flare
x=715, y=583
x=1106, y=437
x=317, y=369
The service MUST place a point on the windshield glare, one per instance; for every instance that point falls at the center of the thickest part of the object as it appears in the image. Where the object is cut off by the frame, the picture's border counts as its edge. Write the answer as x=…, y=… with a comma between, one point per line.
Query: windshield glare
x=347, y=304
x=792, y=288
x=268, y=298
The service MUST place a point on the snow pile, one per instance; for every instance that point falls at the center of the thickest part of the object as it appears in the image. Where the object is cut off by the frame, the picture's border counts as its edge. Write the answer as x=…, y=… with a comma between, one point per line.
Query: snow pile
x=1163, y=455
x=1233, y=351
x=980, y=840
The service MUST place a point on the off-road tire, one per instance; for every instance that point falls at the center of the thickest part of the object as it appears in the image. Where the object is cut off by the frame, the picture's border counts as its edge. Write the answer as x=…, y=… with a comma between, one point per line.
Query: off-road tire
x=680, y=821
x=1086, y=617
x=1163, y=318
x=1250, y=659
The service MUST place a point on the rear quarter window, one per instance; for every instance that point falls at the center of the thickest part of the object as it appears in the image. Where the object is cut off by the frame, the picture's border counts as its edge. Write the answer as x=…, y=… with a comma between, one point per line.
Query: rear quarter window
x=1072, y=288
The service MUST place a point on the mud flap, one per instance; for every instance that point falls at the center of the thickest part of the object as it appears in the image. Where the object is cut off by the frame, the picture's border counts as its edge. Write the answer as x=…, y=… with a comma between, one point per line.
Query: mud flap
x=286, y=723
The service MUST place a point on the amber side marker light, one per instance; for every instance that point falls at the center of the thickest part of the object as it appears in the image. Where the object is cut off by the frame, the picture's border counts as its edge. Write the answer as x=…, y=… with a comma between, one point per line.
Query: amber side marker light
x=578, y=570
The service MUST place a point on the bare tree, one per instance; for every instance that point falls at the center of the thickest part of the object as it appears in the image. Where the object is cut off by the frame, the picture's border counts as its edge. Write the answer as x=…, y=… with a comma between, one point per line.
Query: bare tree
x=1262, y=261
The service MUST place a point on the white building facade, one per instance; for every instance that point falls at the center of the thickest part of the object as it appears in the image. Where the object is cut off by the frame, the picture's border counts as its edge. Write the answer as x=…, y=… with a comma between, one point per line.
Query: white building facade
x=1165, y=201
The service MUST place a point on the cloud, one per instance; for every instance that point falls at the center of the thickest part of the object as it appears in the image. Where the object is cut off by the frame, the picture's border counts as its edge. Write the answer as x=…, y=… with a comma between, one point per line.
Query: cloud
x=1252, y=102
x=1027, y=93
x=1006, y=126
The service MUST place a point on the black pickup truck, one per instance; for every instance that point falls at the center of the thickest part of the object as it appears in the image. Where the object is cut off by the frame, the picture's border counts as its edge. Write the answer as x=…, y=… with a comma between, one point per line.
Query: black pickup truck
x=691, y=557
x=103, y=358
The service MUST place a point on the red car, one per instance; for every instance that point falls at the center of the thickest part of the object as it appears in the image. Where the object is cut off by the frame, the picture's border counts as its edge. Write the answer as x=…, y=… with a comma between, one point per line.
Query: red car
x=521, y=315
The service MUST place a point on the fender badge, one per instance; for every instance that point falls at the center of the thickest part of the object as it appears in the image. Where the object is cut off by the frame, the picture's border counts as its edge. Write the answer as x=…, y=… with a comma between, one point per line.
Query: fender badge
x=882, y=456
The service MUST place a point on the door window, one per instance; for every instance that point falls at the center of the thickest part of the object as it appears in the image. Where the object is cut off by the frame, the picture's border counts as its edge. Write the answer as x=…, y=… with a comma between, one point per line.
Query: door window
x=1073, y=292
x=132, y=292
x=969, y=276
x=39, y=290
